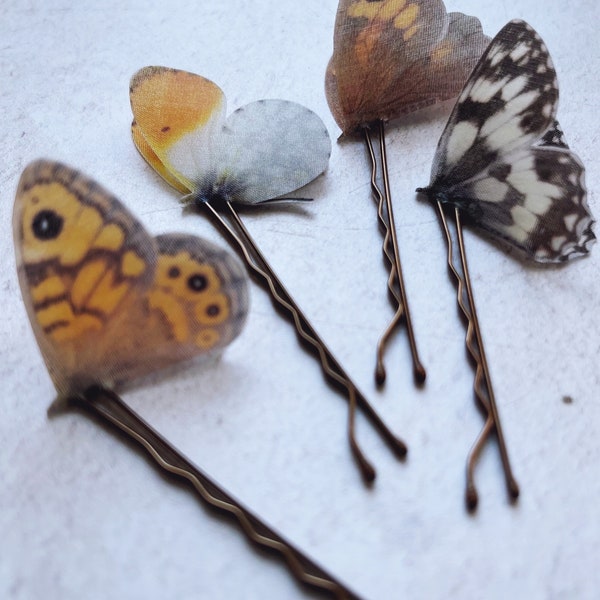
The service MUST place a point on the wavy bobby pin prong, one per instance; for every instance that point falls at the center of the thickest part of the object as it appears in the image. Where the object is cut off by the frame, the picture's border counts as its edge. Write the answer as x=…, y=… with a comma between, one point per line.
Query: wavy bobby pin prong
x=262, y=151
x=482, y=385
x=390, y=58
x=502, y=163
x=256, y=261
x=392, y=253
x=111, y=408
x=109, y=303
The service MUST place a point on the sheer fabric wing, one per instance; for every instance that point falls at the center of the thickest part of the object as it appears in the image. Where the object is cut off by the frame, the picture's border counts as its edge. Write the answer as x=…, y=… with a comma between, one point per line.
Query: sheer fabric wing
x=449, y=64
x=82, y=259
x=536, y=202
x=108, y=302
x=502, y=157
x=392, y=57
x=269, y=148
x=508, y=102
x=198, y=301
x=178, y=114
x=144, y=148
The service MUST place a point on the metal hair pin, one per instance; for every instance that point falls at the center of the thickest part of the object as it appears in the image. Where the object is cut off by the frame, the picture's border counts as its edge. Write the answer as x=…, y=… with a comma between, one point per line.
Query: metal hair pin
x=503, y=162
x=387, y=62
x=262, y=151
x=397, y=292
x=128, y=305
x=482, y=385
x=231, y=224
x=110, y=407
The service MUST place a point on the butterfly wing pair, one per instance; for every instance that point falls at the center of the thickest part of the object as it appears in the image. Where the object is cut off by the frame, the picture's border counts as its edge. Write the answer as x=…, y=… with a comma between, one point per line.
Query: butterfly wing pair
x=107, y=301
x=502, y=159
x=261, y=151
x=392, y=57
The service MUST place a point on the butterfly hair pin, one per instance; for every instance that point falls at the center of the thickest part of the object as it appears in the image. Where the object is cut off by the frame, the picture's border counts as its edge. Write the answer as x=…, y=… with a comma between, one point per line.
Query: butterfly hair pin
x=391, y=58
x=262, y=151
x=109, y=303
x=502, y=164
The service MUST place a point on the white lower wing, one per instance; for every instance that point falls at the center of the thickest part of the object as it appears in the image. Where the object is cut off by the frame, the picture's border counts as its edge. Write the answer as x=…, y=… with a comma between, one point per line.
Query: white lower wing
x=269, y=148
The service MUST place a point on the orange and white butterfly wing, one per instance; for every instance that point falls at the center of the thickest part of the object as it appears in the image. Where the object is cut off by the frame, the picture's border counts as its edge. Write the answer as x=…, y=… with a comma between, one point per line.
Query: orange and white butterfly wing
x=176, y=118
x=263, y=150
x=154, y=161
x=107, y=301
x=392, y=57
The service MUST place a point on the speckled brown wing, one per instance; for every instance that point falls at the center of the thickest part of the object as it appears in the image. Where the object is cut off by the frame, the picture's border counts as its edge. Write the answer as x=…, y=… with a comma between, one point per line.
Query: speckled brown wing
x=392, y=57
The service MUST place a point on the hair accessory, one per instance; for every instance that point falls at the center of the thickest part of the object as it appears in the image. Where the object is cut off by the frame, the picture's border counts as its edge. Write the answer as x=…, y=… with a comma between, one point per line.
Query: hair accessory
x=390, y=58
x=503, y=165
x=108, y=303
x=261, y=151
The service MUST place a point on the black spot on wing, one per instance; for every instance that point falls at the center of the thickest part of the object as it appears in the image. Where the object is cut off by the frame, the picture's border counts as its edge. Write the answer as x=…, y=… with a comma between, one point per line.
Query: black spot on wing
x=554, y=137
x=477, y=159
x=500, y=171
x=197, y=282
x=47, y=225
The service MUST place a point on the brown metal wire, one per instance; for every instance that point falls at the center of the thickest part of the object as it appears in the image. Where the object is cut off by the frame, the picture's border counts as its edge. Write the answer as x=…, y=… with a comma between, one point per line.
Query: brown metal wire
x=110, y=407
x=391, y=251
x=482, y=385
x=232, y=226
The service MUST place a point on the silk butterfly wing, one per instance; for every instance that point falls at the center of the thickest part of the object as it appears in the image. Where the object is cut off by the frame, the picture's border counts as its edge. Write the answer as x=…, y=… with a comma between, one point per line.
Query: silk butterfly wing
x=392, y=57
x=263, y=150
x=107, y=301
x=502, y=160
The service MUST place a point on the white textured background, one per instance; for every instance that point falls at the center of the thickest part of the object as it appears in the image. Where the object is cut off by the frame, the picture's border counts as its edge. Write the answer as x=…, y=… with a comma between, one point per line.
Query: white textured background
x=83, y=516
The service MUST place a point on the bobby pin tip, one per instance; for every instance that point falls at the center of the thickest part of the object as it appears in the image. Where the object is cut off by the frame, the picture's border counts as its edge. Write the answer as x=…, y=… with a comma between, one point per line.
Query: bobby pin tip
x=400, y=449
x=380, y=375
x=59, y=406
x=420, y=374
x=368, y=473
x=513, y=490
x=472, y=499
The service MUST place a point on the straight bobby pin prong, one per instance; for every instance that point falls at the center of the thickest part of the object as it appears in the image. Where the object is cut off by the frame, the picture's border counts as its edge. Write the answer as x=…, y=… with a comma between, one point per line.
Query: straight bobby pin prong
x=109, y=406
x=396, y=288
x=482, y=385
x=232, y=225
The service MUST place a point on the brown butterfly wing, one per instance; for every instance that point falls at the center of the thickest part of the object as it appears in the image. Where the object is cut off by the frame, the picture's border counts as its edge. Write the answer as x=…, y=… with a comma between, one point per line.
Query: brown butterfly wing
x=108, y=302
x=392, y=57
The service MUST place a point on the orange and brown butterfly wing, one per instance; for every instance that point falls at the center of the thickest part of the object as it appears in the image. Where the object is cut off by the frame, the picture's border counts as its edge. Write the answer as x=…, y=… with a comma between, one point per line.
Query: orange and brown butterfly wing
x=82, y=260
x=392, y=57
x=448, y=65
x=107, y=301
x=197, y=303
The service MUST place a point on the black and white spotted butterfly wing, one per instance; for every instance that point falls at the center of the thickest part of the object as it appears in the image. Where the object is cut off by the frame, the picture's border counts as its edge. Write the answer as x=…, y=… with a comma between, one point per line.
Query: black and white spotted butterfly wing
x=503, y=161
